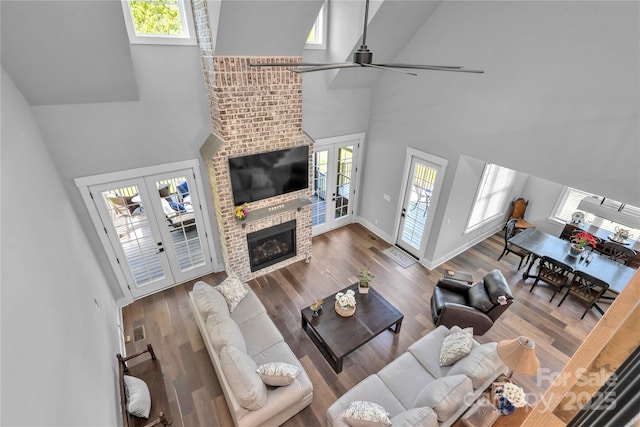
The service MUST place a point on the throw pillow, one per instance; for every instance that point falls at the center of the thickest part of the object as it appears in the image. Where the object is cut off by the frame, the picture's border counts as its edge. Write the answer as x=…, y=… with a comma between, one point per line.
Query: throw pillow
x=445, y=395
x=232, y=290
x=224, y=332
x=137, y=396
x=361, y=413
x=246, y=384
x=455, y=346
x=278, y=373
x=209, y=300
x=416, y=417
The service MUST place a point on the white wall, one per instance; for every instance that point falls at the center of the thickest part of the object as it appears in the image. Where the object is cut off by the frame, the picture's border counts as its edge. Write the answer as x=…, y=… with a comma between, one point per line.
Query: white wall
x=59, y=333
x=168, y=124
x=560, y=87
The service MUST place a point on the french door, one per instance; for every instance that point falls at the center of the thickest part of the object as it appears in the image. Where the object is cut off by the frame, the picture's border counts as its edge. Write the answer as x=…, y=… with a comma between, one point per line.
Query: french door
x=424, y=174
x=335, y=165
x=155, y=229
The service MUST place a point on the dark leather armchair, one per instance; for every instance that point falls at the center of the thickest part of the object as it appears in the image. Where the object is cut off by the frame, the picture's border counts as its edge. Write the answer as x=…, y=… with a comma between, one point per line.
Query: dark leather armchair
x=477, y=305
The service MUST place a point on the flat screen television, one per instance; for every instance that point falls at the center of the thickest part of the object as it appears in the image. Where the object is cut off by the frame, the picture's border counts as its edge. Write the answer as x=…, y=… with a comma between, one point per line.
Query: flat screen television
x=260, y=176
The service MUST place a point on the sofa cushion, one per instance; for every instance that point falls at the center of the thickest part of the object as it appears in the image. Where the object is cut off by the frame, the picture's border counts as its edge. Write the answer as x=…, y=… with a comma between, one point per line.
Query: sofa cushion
x=224, y=332
x=246, y=384
x=480, y=365
x=232, y=290
x=416, y=417
x=260, y=333
x=209, y=300
x=371, y=389
x=446, y=395
x=278, y=374
x=362, y=413
x=137, y=396
x=455, y=346
x=405, y=377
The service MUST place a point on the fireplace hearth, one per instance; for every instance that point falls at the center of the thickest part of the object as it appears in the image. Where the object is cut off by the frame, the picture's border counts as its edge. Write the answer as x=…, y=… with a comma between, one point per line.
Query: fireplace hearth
x=272, y=245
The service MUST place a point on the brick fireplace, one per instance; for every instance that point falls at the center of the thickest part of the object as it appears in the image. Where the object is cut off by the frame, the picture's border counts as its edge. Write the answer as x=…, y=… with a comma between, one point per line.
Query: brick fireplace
x=253, y=110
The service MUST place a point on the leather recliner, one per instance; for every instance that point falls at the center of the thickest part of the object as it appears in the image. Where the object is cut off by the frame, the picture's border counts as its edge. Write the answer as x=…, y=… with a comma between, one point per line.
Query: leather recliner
x=478, y=305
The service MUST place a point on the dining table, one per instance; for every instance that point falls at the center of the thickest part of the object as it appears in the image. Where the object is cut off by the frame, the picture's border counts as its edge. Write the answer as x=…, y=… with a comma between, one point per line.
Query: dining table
x=541, y=244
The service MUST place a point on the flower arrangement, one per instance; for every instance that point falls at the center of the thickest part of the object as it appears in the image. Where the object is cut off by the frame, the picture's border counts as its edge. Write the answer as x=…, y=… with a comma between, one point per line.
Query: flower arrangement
x=515, y=395
x=583, y=239
x=241, y=212
x=346, y=299
x=365, y=277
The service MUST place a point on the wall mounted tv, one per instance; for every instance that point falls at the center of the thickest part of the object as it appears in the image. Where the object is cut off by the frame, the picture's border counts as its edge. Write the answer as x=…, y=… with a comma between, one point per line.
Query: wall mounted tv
x=260, y=176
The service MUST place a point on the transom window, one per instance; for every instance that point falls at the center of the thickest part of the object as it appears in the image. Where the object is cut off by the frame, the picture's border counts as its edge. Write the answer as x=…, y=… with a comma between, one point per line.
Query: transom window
x=317, y=36
x=159, y=21
x=492, y=196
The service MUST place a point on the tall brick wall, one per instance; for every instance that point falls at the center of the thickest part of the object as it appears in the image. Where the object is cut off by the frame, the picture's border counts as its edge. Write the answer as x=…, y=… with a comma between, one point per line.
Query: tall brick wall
x=253, y=110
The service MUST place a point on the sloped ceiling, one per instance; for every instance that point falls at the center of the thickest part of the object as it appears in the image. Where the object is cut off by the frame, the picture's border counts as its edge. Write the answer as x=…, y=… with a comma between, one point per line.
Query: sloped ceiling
x=67, y=52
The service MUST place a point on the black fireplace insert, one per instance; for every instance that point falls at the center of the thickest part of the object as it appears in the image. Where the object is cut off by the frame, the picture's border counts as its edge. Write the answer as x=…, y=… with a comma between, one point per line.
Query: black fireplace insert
x=272, y=245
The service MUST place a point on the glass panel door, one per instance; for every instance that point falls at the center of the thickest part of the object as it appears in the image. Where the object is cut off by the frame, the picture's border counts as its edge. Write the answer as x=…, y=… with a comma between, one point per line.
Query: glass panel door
x=417, y=201
x=134, y=235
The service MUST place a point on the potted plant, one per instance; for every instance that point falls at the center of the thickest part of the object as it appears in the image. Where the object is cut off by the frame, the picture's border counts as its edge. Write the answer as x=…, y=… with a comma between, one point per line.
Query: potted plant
x=364, y=279
x=579, y=241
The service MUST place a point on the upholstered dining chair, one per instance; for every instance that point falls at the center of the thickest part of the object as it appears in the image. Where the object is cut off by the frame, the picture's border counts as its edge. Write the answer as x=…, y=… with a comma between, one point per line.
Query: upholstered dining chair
x=554, y=273
x=509, y=232
x=618, y=252
x=587, y=288
x=518, y=209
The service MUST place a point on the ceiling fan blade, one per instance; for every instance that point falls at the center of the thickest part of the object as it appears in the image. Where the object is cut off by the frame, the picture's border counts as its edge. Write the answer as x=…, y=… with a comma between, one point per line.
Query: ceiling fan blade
x=290, y=64
x=433, y=67
x=386, y=68
x=326, y=67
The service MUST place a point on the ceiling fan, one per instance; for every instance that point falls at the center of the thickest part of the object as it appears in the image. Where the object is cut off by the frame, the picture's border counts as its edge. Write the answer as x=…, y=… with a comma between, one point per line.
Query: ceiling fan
x=363, y=57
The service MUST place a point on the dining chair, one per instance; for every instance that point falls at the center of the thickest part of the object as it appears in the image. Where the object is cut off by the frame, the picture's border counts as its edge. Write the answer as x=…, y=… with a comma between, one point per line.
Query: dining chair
x=587, y=288
x=618, y=252
x=509, y=232
x=554, y=273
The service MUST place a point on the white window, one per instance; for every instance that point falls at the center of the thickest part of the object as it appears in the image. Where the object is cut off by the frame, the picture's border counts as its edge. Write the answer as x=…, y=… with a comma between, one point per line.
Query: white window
x=159, y=21
x=317, y=36
x=492, y=196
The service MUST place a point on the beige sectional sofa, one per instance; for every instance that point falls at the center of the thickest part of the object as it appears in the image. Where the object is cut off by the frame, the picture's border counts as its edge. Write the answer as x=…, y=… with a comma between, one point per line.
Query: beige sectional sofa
x=239, y=341
x=416, y=391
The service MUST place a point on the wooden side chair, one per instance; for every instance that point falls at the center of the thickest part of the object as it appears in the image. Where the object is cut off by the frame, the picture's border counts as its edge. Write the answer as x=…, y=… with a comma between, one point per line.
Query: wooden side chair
x=509, y=232
x=587, y=288
x=554, y=273
x=618, y=252
x=518, y=209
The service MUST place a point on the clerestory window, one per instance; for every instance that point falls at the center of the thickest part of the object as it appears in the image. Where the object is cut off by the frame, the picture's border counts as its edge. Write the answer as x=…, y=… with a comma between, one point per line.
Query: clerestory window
x=159, y=21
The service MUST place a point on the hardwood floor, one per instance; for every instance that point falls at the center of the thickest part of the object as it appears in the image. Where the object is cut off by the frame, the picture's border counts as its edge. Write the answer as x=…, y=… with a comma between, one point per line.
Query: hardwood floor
x=195, y=395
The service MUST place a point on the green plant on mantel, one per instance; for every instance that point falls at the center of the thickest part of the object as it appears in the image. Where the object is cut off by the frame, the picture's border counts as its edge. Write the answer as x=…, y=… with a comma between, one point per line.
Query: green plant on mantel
x=365, y=277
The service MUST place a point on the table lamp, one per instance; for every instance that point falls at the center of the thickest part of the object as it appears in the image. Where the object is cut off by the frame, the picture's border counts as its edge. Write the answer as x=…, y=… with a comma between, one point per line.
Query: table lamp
x=519, y=355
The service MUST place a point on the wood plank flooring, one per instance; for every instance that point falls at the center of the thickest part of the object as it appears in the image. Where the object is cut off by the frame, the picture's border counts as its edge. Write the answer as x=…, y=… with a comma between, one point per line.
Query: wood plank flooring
x=195, y=395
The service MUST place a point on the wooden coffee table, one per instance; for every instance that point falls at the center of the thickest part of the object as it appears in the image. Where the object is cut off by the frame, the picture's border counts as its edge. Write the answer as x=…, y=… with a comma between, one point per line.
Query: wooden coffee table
x=337, y=336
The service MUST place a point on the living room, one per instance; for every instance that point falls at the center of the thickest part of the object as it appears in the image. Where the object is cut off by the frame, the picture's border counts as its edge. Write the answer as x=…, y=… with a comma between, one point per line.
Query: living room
x=536, y=99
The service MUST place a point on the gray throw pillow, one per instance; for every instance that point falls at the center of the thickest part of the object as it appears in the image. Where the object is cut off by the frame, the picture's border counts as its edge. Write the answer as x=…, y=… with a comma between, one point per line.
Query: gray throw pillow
x=455, y=346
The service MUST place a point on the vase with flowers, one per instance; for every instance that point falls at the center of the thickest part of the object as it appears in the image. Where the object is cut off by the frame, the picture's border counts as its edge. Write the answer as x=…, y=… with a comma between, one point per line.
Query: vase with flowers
x=241, y=212
x=512, y=397
x=579, y=241
x=346, y=303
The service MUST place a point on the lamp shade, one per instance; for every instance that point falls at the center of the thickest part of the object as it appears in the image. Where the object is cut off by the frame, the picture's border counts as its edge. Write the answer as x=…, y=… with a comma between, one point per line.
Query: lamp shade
x=519, y=355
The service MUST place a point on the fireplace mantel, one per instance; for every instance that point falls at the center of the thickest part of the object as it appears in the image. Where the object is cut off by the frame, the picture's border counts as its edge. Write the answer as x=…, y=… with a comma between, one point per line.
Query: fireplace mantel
x=261, y=213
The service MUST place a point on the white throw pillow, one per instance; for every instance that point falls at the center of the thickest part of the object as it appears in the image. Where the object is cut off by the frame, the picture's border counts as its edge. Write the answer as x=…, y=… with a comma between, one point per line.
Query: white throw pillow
x=361, y=413
x=232, y=290
x=246, y=384
x=278, y=373
x=455, y=346
x=137, y=396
